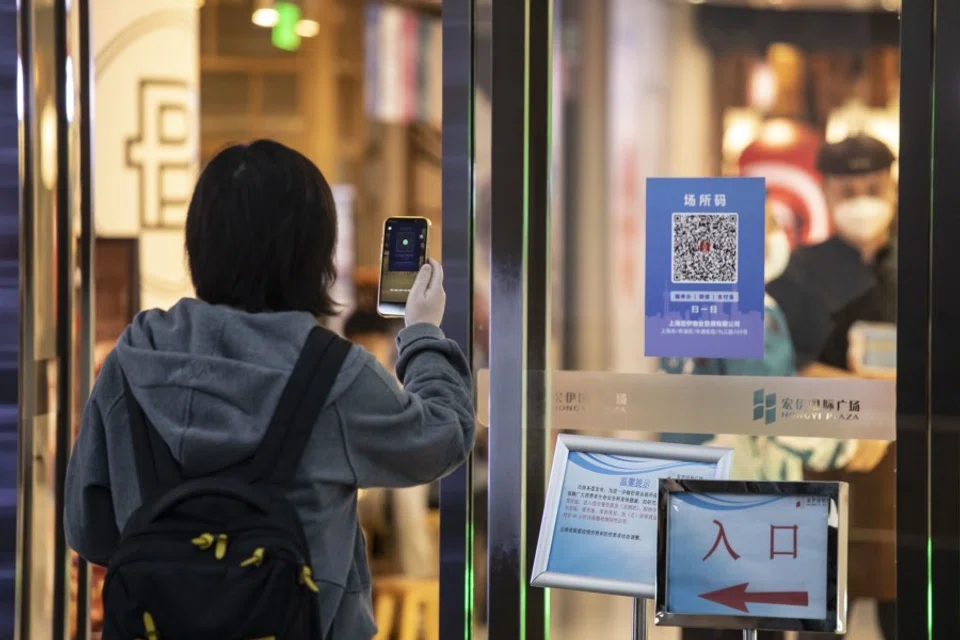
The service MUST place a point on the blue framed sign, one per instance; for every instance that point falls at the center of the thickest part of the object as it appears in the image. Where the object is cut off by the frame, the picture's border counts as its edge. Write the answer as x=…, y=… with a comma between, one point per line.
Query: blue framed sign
x=599, y=527
x=704, y=267
x=752, y=555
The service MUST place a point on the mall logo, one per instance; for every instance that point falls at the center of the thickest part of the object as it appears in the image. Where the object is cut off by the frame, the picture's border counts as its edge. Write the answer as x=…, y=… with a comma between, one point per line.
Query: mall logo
x=766, y=407
x=580, y=402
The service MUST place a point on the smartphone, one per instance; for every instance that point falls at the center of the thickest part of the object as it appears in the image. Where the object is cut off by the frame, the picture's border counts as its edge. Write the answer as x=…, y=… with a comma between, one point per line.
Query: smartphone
x=402, y=253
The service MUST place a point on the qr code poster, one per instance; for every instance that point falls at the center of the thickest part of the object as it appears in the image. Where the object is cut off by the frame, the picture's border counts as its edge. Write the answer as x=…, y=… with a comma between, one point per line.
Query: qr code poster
x=704, y=267
x=704, y=248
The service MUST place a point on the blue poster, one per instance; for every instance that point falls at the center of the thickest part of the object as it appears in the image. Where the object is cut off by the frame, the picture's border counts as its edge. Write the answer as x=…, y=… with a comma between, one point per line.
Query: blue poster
x=737, y=555
x=704, y=267
x=606, y=525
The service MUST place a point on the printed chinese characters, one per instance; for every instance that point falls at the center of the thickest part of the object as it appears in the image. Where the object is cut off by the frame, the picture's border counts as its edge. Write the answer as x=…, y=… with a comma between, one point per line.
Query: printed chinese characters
x=783, y=541
x=608, y=505
x=705, y=200
x=721, y=537
x=791, y=535
x=819, y=409
x=581, y=402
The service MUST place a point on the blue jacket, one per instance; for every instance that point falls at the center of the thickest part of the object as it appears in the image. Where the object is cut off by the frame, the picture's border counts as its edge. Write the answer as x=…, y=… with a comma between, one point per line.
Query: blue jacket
x=209, y=379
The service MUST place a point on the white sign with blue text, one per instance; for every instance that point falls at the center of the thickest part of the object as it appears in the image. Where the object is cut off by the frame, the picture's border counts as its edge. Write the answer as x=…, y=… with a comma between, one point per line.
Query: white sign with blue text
x=599, y=527
x=759, y=559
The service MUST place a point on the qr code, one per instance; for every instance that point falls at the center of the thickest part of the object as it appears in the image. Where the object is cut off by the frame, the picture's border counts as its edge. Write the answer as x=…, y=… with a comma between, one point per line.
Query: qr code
x=704, y=248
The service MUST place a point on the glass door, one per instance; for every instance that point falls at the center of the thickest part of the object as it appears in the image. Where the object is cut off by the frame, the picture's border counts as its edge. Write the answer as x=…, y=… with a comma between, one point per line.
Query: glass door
x=807, y=95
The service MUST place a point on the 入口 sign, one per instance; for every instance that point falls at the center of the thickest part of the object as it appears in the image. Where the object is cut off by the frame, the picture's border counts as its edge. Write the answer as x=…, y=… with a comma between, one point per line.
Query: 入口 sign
x=752, y=555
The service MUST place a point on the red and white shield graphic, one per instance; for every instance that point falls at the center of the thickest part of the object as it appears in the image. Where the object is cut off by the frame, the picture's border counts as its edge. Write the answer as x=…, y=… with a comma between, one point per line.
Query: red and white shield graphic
x=789, y=165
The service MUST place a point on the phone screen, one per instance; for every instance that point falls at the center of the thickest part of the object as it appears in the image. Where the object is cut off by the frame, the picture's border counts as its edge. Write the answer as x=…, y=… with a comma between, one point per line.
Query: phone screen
x=404, y=251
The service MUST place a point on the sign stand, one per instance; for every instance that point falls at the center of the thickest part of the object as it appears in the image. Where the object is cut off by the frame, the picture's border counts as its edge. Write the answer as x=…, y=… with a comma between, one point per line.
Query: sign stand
x=640, y=619
x=750, y=634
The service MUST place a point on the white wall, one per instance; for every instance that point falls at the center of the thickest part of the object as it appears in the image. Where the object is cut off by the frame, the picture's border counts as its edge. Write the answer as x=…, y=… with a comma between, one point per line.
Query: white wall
x=637, y=94
x=647, y=111
x=692, y=148
x=146, y=133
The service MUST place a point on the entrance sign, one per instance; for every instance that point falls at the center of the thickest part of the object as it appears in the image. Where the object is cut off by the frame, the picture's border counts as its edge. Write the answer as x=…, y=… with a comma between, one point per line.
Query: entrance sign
x=599, y=527
x=752, y=555
x=704, y=272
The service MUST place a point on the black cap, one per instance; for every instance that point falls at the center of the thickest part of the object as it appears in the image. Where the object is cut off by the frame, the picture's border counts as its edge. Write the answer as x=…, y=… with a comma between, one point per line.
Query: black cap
x=855, y=155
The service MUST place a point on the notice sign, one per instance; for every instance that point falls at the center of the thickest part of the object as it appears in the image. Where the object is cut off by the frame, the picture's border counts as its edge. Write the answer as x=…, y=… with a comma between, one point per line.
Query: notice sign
x=761, y=559
x=599, y=528
x=704, y=267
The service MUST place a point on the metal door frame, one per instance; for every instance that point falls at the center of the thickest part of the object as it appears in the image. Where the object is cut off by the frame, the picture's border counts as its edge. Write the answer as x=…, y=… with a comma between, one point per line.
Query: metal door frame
x=943, y=436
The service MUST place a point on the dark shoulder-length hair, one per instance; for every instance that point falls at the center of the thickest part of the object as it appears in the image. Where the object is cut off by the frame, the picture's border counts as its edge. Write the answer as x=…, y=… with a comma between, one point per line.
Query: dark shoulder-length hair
x=262, y=231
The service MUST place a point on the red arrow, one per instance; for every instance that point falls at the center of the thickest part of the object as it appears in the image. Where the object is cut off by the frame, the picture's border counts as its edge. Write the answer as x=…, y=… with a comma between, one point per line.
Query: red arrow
x=736, y=597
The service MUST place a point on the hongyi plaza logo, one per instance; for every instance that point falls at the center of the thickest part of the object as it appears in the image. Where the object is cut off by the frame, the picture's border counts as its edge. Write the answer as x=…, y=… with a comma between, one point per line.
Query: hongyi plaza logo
x=764, y=406
x=768, y=408
x=580, y=401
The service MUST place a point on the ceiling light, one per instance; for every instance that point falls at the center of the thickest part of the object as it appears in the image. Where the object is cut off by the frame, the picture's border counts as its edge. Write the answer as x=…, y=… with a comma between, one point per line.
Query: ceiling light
x=265, y=14
x=309, y=24
x=308, y=28
x=763, y=87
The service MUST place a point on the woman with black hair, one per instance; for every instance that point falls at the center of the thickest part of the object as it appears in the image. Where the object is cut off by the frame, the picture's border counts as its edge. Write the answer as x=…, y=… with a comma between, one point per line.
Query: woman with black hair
x=208, y=373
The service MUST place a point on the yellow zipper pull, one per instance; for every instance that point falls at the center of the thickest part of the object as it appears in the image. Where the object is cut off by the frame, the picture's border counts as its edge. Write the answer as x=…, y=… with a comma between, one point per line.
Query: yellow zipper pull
x=254, y=560
x=150, y=627
x=306, y=579
x=204, y=541
x=221, y=549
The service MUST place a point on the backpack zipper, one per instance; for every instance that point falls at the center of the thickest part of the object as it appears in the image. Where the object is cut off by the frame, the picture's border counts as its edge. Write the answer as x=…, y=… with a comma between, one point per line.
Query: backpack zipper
x=206, y=540
x=150, y=627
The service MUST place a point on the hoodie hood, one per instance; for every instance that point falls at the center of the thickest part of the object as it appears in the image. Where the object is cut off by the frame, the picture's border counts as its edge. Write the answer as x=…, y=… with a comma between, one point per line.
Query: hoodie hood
x=209, y=377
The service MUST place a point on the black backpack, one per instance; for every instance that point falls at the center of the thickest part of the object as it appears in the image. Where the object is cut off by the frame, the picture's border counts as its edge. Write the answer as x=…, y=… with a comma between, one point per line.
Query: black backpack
x=223, y=557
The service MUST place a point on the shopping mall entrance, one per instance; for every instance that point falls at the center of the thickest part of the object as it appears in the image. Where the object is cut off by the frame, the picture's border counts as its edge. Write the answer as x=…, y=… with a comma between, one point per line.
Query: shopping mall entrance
x=560, y=118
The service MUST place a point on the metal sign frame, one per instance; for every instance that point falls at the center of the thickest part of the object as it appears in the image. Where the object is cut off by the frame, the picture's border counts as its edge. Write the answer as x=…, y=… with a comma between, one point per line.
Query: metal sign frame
x=719, y=457
x=835, y=619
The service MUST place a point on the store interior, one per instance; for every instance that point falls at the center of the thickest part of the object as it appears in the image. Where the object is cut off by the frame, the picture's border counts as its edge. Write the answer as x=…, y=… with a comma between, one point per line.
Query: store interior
x=642, y=88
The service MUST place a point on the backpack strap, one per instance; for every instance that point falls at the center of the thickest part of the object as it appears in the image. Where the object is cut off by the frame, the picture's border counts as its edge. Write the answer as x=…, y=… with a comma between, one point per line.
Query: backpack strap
x=157, y=469
x=301, y=402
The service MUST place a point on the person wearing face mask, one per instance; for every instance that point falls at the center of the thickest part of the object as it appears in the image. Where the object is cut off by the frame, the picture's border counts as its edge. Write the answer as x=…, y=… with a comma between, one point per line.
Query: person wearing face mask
x=825, y=290
x=851, y=277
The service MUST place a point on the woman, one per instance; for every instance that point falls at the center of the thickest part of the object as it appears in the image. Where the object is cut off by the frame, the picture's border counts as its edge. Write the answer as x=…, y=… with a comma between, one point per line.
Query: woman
x=260, y=237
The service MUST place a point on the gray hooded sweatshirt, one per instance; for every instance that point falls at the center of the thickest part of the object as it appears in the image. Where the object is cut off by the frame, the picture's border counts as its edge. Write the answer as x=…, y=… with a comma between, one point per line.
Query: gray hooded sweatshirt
x=209, y=379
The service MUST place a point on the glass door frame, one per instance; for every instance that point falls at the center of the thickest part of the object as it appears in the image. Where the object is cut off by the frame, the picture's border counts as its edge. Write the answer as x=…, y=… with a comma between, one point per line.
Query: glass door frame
x=943, y=434
x=457, y=197
x=914, y=320
x=521, y=45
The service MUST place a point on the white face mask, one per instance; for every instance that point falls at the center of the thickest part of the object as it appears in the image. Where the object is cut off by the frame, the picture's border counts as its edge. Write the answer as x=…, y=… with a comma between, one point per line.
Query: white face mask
x=863, y=219
x=777, y=255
